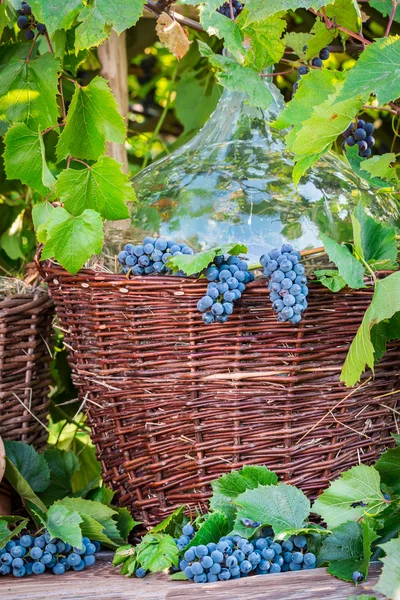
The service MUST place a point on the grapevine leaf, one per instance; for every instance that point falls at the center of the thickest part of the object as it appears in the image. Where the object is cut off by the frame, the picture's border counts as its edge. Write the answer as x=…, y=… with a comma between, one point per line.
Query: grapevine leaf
x=396, y=438
x=24, y=159
x=64, y=524
x=28, y=90
x=96, y=510
x=125, y=522
x=376, y=72
x=356, y=162
x=385, y=303
x=330, y=279
x=385, y=7
x=122, y=554
x=31, y=465
x=389, y=581
x=216, y=24
x=214, y=527
x=102, y=494
x=196, y=263
x=4, y=20
x=348, y=549
x=314, y=88
x=6, y=535
x=297, y=41
x=345, y=13
x=360, y=484
x=389, y=469
x=62, y=466
x=96, y=20
x=321, y=37
x=92, y=119
x=172, y=524
x=21, y=486
x=64, y=49
x=173, y=35
x=157, y=552
x=228, y=487
x=350, y=269
x=378, y=241
x=267, y=45
x=238, y=78
x=102, y=187
x=384, y=332
x=180, y=576
x=283, y=507
x=56, y=14
x=95, y=530
x=40, y=213
x=72, y=240
x=260, y=9
x=380, y=166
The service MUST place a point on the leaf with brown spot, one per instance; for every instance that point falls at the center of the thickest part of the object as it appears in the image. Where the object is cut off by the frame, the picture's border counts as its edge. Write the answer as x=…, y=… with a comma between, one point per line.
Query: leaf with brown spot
x=172, y=35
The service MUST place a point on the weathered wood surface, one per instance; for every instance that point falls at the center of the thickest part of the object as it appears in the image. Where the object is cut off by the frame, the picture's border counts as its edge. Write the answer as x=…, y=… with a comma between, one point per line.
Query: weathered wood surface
x=103, y=582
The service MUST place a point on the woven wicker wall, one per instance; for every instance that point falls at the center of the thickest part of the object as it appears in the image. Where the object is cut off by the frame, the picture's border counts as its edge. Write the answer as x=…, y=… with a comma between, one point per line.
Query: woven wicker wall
x=174, y=403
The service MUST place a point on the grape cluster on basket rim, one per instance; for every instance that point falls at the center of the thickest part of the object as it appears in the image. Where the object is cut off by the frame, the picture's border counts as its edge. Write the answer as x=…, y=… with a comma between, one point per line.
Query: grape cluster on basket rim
x=26, y=21
x=287, y=283
x=228, y=277
x=234, y=557
x=151, y=256
x=30, y=555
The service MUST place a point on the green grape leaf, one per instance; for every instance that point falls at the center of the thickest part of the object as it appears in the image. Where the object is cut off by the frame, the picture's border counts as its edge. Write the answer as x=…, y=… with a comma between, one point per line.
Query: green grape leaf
x=266, y=44
x=375, y=72
x=284, y=507
x=396, y=437
x=195, y=263
x=63, y=465
x=157, y=552
x=362, y=597
x=180, y=576
x=314, y=88
x=96, y=510
x=122, y=554
x=125, y=522
x=92, y=119
x=228, y=487
x=388, y=467
x=24, y=158
x=384, y=332
x=6, y=535
x=98, y=18
x=72, y=240
x=64, y=524
x=348, y=549
x=214, y=527
x=21, y=486
x=56, y=14
x=389, y=580
x=385, y=7
x=321, y=37
x=95, y=530
x=210, y=4
x=330, y=279
x=28, y=90
x=385, y=303
x=260, y=9
x=4, y=21
x=102, y=187
x=360, y=484
x=378, y=241
x=350, y=269
x=345, y=13
x=40, y=213
x=297, y=41
x=64, y=49
x=31, y=465
x=356, y=162
x=172, y=524
x=380, y=166
x=238, y=78
x=216, y=24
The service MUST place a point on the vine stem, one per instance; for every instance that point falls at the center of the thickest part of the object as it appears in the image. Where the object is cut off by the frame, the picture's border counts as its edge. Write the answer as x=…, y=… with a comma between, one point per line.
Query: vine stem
x=231, y=10
x=28, y=58
x=81, y=161
x=278, y=73
x=391, y=18
x=332, y=25
x=60, y=87
x=366, y=265
x=46, y=35
x=156, y=10
x=389, y=110
x=52, y=128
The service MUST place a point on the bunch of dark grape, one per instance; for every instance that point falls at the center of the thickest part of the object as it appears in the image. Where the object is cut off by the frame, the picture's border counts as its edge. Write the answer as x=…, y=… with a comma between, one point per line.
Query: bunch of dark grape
x=228, y=278
x=316, y=62
x=287, y=283
x=360, y=133
x=234, y=557
x=150, y=256
x=225, y=9
x=26, y=21
x=29, y=555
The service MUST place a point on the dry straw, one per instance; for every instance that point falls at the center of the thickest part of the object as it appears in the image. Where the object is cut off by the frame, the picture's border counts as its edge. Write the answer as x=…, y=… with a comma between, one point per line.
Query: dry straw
x=173, y=403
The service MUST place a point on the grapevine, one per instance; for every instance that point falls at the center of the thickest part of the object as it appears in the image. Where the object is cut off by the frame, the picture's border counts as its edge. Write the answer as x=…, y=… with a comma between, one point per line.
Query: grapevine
x=27, y=22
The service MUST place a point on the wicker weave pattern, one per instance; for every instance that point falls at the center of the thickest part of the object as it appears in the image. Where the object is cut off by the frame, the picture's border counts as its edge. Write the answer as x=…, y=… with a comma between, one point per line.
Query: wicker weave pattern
x=174, y=403
x=25, y=328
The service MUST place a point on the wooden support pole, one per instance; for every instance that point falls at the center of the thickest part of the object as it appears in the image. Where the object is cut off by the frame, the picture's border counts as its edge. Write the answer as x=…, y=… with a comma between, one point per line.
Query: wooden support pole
x=114, y=68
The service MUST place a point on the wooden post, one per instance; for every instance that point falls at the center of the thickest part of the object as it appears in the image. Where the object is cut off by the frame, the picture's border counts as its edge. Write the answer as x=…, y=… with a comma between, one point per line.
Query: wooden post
x=114, y=68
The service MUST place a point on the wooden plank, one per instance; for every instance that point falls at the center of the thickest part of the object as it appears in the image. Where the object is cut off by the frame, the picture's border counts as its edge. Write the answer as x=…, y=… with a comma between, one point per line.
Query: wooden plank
x=103, y=582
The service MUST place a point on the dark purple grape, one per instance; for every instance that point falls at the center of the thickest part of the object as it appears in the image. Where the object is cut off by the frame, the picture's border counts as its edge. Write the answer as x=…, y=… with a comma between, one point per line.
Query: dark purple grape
x=366, y=153
x=23, y=22
x=29, y=35
x=369, y=128
x=370, y=141
x=360, y=134
x=324, y=54
x=302, y=70
x=361, y=123
x=27, y=9
x=362, y=146
x=350, y=141
x=349, y=131
x=41, y=28
x=316, y=62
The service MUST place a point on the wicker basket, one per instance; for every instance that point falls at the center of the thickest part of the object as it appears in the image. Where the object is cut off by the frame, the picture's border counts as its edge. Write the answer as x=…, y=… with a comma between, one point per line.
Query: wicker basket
x=25, y=329
x=174, y=404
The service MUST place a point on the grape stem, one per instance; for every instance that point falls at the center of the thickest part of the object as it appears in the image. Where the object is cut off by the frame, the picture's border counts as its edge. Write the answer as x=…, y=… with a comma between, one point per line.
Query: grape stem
x=367, y=266
x=391, y=18
x=156, y=10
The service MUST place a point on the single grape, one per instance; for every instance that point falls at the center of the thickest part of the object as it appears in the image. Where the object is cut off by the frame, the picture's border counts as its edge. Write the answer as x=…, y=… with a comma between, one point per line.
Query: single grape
x=211, y=578
x=23, y=22
x=309, y=559
x=362, y=146
x=59, y=569
x=41, y=28
x=228, y=307
x=369, y=128
x=217, y=308
x=89, y=560
x=36, y=553
x=316, y=62
x=217, y=556
x=275, y=568
x=268, y=553
x=350, y=141
x=197, y=568
x=200, y=578
x=294, y=566
x=5, y=570
x=300, y=541
x=302, y=70
x=73, y=559
x=360, y=134
x=357, y=576
x=206, y=562
x=201, y=551
x=29, y=35
x=208, y=318
x=6, y=559
x=17, y=563
x=17, y=551
x=189, y=573
x=19, y=572
x=324, y=54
